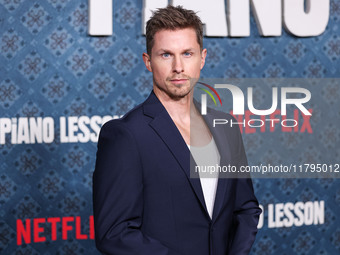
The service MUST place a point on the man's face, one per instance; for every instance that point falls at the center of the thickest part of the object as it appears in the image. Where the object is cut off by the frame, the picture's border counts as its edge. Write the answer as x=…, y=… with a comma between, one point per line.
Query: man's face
x=176, y=61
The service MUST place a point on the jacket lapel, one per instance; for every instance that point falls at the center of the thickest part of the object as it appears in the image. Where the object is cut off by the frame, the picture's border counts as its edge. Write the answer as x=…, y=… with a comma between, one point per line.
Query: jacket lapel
x=165, y=127
x=222, y=144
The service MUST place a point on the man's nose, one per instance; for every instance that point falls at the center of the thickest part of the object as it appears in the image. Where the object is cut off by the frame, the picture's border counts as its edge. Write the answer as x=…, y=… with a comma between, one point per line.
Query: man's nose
x=177, y=65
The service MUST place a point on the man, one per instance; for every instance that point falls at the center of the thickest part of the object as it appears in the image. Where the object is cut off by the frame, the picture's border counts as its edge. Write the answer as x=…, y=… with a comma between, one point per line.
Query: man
x=145, y=202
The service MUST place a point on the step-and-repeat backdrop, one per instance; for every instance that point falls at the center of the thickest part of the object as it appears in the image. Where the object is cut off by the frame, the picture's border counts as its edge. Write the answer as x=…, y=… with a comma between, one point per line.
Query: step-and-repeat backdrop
x=58, y=85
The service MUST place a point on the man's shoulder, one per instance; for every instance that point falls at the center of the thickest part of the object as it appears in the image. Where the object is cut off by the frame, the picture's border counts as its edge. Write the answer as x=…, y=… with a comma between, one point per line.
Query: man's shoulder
x=129, y=119
x=132, y=121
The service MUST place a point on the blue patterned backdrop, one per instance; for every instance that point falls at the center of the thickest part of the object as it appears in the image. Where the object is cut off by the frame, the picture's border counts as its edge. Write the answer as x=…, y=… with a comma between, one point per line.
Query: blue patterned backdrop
x=51, y=67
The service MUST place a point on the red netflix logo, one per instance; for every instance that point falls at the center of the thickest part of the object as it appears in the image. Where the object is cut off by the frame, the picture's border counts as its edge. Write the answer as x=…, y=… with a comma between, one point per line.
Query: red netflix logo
x=300, y=123
x=36, y=228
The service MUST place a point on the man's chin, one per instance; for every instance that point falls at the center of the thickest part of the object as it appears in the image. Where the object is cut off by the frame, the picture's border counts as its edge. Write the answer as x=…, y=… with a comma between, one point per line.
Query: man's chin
x=179, y=95
x=176, y=92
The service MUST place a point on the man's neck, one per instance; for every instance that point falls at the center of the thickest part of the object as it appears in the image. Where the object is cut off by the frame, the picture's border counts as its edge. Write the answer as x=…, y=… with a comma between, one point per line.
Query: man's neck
x=187, y=119
x=179, y=108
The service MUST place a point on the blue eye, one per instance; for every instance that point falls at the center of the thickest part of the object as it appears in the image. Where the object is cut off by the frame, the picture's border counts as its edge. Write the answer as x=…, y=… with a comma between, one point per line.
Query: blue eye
x=165, y=55
x=187, y=54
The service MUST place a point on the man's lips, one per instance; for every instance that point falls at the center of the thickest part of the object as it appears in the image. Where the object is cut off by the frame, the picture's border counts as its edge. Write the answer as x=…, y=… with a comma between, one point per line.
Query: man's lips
x=179, y=81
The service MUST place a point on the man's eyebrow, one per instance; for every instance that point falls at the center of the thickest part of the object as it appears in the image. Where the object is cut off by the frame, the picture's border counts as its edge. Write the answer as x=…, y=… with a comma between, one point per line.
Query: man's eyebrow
x=189, y=49
x=164, y=50
x=170, y=51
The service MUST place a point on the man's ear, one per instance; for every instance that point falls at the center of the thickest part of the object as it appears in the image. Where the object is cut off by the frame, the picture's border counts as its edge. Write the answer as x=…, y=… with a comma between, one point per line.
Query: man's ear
x=147, y=61
x=203, y=56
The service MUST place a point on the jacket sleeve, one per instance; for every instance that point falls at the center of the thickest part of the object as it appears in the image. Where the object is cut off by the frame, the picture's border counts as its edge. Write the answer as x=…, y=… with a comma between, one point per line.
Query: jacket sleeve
x=247, y=211
x=118, y=196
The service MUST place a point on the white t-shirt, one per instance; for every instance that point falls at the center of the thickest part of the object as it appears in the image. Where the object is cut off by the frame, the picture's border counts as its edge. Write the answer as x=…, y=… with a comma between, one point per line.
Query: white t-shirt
x=207, y=156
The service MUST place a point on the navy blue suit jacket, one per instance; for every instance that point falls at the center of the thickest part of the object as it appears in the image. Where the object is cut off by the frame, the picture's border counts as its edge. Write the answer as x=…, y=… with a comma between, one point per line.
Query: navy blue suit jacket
x=145, y=202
